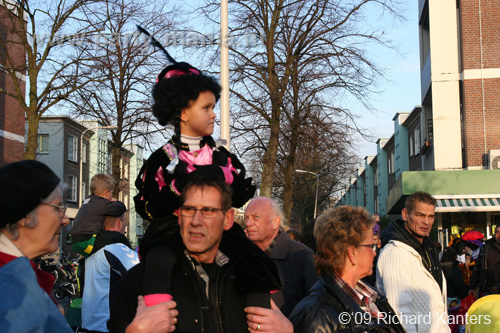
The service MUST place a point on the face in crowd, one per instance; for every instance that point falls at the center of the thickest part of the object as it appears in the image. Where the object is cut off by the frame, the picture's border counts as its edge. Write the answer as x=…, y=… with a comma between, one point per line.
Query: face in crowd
x=202, y=231
x=419, y=220
x=261, y=222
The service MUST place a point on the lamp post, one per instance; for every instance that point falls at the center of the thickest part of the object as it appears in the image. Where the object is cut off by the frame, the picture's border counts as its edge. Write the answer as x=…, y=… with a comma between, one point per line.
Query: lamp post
x=224, y=74
x=80, y=196
x=317, y=186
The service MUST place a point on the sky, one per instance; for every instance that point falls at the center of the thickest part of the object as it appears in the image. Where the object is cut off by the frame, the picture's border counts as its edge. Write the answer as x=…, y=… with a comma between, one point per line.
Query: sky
x=401, y=92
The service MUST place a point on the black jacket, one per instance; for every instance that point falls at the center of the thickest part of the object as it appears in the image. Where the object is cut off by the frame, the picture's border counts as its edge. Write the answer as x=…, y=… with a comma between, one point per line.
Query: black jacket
x=322, y=311
x=196, y=314
x=296, y=268
x=455, y=286
x=478, y=278
x=90, y=216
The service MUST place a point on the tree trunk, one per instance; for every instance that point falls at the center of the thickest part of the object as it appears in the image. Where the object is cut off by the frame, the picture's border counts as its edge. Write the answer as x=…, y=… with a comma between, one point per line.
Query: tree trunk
x=32, y=142
x=269, y=161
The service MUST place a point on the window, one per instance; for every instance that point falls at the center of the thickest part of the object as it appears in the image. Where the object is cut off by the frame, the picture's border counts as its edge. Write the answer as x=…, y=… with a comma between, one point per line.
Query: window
x=125, y=200
x=121, y=168
x=390, y=163
x=416, y=135
x=84, y=153
x=412, y=147
x=103, y=157
x=120, y=196
x=43, y=143
x=72, y=188
x=125, y=170
x=72, y=148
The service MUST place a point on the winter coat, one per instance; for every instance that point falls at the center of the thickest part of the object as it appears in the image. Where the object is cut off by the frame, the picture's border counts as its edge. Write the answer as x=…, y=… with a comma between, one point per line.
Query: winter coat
x=478, y=278
x=413, y=292
x=329, y=309
x=296, y=268
x=188, y=290
x=454, y=281
x=25, y=306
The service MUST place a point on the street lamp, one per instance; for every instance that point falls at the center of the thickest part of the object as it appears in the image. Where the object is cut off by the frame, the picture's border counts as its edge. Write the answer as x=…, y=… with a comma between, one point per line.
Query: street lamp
x=317, y=186
x=224, y=74
x=80, y=194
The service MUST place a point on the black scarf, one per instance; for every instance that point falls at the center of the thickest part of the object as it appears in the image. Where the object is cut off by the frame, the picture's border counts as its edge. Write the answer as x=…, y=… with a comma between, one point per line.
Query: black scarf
x=397, y=231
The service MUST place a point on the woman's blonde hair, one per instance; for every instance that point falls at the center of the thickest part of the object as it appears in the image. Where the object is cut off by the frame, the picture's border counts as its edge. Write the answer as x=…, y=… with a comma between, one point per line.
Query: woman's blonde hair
x=335, y=231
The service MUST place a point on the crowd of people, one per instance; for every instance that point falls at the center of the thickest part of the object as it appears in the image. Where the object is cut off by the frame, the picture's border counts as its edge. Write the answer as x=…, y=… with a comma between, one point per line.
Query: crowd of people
x=198, y=271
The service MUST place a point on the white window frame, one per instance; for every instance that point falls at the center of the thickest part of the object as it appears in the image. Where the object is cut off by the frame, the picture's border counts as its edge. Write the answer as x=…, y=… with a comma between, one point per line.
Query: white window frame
x=416, y=134
x=126, y=168
x=84, y=153
x=390, y=163
x=73, y=188
x=72, y=148
x=412, y=146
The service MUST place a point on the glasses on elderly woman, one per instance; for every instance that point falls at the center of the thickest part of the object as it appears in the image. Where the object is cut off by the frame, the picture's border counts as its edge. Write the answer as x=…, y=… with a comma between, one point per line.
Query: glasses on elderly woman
x=373, y=246
x=60, y=209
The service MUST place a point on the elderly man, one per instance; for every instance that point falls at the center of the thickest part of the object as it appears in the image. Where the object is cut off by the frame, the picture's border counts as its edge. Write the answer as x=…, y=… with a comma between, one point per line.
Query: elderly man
x=204, y=280
x=103, y=271
x=408, y=268
x=263, y=221
x=31, y=197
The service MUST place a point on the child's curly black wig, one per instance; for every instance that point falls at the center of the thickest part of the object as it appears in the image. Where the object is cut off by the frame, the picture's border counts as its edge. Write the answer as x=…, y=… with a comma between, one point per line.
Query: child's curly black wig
x=172, y=95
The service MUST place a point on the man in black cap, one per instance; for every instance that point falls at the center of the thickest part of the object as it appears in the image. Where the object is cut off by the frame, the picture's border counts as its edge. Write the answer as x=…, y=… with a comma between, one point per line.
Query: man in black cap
x=30, y=226
x=103, y=271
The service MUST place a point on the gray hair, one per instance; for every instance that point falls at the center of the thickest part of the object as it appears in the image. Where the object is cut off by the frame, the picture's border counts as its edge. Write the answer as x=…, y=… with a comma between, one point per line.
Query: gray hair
x=275, y=207
x=12, y=228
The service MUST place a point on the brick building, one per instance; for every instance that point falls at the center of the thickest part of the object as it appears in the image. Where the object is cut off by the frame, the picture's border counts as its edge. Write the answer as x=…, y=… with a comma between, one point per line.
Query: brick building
x=12, y=61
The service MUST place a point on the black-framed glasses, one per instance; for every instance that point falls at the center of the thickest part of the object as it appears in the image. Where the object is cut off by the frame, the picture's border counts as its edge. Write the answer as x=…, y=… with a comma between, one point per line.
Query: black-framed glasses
x=208, y=212
x=372, y=246
x=60, y=209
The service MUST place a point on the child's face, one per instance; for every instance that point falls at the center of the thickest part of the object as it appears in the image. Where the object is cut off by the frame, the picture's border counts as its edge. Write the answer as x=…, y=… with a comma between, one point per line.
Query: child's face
x=198, y=118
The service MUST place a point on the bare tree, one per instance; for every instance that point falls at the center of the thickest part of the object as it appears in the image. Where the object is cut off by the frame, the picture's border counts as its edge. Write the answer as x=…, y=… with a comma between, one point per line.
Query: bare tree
x=312, y=50
x=54, y=70
x=124, y=69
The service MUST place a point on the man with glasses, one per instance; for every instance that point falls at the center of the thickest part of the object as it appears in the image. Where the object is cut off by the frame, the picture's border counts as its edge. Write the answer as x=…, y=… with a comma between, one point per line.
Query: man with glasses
x=264, y=227
x=204, y=281
x=408, y=268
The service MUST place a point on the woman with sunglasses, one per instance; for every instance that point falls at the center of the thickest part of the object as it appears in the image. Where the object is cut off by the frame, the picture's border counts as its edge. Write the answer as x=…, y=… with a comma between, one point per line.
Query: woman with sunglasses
x=340, y=301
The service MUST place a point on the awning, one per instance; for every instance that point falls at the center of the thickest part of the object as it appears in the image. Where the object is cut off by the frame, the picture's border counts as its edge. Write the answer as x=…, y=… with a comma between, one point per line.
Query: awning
x=446, y=204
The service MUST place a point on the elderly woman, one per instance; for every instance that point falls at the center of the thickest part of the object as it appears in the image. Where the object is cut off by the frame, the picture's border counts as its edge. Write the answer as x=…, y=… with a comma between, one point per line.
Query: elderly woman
x=31, y=197
x=340, y=301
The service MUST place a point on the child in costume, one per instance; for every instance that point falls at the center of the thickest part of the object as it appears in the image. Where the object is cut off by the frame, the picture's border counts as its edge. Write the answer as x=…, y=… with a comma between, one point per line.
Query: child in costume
x=185, y=97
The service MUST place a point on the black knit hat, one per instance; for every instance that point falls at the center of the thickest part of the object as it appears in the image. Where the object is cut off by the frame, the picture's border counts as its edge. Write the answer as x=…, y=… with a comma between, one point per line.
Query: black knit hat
x=23, y=186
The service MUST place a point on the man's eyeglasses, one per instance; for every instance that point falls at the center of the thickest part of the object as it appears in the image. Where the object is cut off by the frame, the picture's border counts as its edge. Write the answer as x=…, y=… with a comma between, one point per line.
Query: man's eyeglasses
x=373, y=246
x=60, y=209
x=208, y=212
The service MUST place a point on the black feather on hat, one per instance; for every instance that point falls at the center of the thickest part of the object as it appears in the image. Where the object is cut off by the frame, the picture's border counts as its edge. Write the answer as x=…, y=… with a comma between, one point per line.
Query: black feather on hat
x=23, y=186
